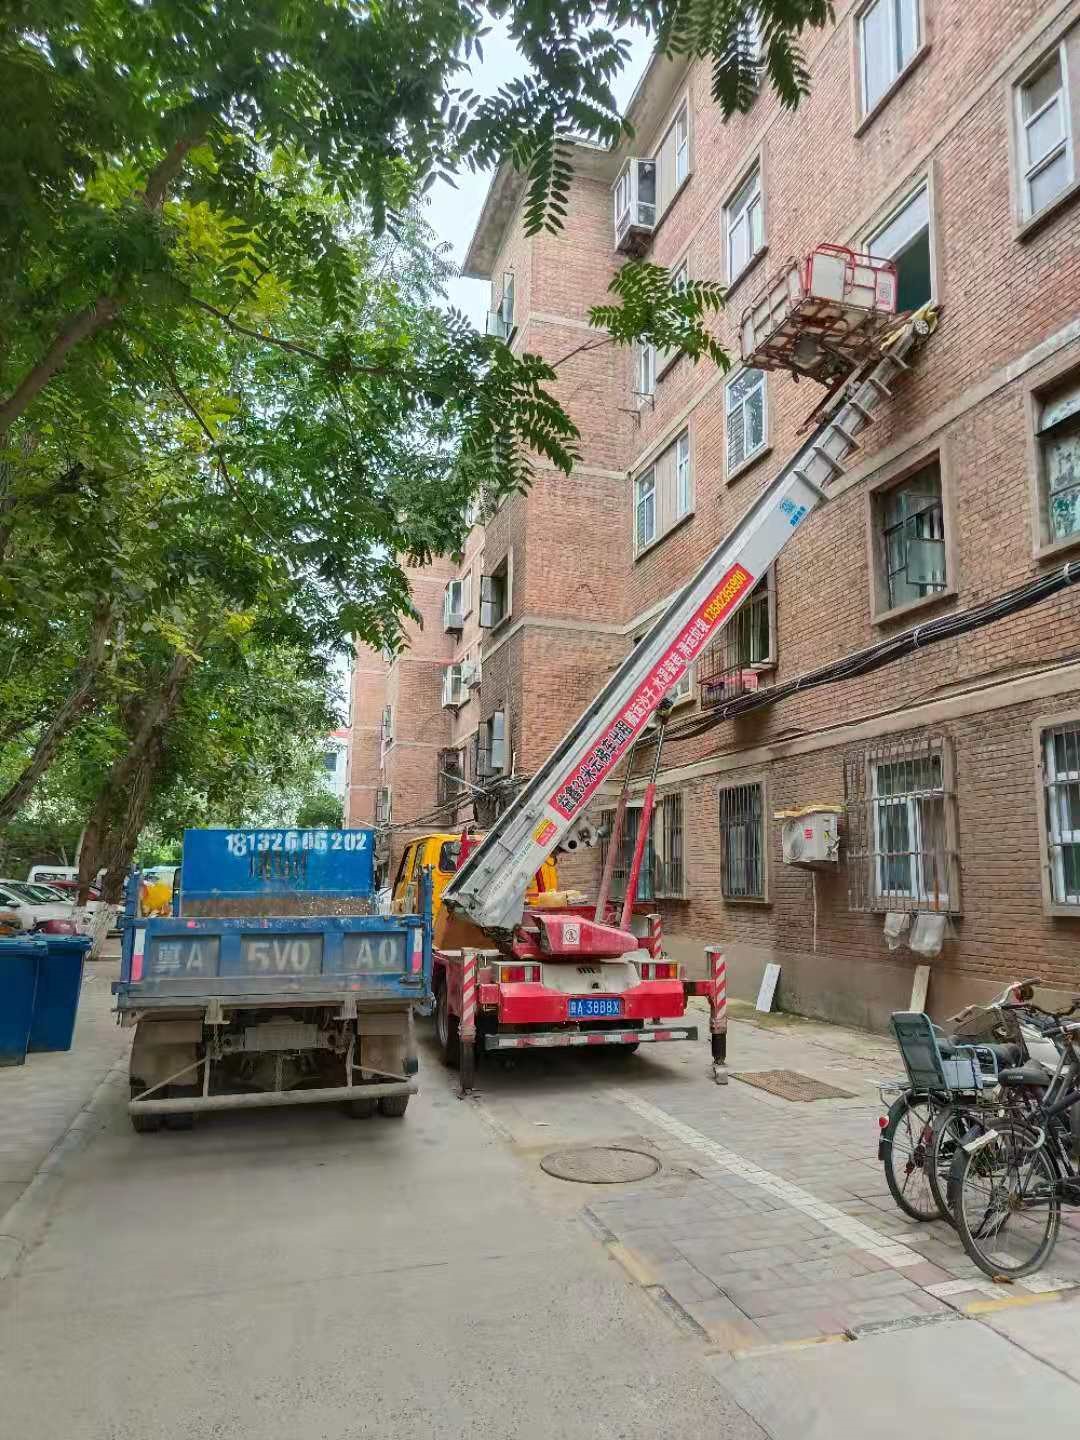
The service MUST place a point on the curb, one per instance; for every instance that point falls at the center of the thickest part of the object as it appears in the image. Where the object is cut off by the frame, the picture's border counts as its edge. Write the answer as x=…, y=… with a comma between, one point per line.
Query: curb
x=27, y=1217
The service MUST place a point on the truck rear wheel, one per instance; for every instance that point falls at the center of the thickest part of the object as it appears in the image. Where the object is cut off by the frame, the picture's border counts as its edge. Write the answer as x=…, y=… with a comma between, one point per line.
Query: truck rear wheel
x=446, y=1029
x=394, y=1105
x=142, y=1124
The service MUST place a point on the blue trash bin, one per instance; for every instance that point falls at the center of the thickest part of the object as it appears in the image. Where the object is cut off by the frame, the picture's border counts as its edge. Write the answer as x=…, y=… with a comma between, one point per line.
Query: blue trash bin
x=58, y=989
x=19, y=964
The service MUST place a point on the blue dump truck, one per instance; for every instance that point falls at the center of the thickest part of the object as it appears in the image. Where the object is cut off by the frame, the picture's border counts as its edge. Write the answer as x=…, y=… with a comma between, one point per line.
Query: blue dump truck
x=273, y=982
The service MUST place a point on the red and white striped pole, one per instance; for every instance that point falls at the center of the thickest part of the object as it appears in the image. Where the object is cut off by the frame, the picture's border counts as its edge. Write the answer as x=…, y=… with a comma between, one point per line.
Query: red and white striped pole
x=656, y=938
x=467, y=1023
x=718, y=1007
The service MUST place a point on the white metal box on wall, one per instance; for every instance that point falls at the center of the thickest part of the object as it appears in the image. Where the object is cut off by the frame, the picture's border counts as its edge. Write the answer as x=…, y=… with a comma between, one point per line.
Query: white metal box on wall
x=811, y=836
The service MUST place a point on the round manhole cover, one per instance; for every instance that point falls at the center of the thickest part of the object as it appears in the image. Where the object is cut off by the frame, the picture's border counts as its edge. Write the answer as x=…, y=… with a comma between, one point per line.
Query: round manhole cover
x=600, y=1165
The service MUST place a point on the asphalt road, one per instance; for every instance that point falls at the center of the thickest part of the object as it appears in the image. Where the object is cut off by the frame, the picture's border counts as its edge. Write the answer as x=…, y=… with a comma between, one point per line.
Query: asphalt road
x=298, y=1274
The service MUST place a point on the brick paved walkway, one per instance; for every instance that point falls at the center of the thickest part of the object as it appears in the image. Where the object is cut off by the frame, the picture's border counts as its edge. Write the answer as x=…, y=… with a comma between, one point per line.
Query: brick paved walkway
x=39, y=1100
x=784, y=1229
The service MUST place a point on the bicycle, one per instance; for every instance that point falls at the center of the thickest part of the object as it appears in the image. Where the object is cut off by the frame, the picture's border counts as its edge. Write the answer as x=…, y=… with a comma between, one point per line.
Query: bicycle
x=1020, y=1162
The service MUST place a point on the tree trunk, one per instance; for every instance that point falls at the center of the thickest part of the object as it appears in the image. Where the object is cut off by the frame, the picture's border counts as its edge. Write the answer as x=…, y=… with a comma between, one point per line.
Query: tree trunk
x=64, y=720
x=102, y=311
x=120, y=810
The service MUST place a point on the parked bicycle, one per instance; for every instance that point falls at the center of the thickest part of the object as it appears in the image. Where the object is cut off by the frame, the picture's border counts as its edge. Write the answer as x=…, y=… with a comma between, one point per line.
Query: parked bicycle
x=947, y=1074
x=1019, y=1161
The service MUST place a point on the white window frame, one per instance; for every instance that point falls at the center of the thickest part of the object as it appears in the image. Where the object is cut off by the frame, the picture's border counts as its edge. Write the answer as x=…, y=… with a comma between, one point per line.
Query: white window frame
x=645, y=496
x=911, y=804
x=897, y=61
x=682, y=144
x=1056, y=834
x=751, y=195
x=680, y=278
x=873, y=246
x=1029, y=169
x=684, y=477
x=646, y=372
x=733, y=468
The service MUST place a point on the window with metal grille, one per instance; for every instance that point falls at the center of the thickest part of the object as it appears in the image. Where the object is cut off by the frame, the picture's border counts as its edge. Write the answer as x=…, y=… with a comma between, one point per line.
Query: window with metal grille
x=909, y=521
x=900, y=801
x=1059, y=457
x=1061, y=786
x=742, y=842
x=383, y=805
x=735, y=661
x=661, y=876
x=451, y=776
x=744, y=398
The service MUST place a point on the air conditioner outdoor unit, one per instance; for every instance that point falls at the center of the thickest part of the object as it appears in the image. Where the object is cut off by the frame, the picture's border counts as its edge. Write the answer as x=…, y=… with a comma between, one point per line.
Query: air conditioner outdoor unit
x=470, y=674
x=635, y=206
x=811, y=837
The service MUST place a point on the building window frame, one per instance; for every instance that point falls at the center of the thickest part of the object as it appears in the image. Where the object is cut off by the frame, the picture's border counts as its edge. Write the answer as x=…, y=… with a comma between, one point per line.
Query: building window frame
x=744, y=866
x=1028, y=170
x=744, y=211
x=890, y=213
x=645, y=377
x=1057, y=792
x=680, y=278
x=912, y=830
x=901, y=64
x=663, y=493
x=724, y=674
x=894, y=478
x=645, y=534
x=748, y=457
x=663, y=865
x=1039, y=398
x=497, y=594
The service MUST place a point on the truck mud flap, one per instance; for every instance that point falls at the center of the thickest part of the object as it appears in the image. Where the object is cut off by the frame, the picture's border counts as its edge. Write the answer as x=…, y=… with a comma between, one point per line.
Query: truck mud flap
x=557, y=1039
x=269, y=1099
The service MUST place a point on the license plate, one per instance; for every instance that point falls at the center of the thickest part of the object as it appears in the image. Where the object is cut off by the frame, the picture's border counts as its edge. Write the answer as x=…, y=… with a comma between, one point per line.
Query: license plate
x=600, y=1008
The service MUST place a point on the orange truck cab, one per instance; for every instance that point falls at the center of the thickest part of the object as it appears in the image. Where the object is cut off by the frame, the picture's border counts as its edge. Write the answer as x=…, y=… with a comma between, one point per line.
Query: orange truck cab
x=440, y=853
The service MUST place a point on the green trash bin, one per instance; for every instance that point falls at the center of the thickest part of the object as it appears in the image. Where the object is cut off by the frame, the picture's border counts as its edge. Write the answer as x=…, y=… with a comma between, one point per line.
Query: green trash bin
x=58, y=990
x=20, y=961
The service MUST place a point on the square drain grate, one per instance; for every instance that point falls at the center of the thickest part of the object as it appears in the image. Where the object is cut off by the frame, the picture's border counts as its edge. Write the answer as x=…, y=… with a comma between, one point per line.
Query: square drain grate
x=790, y=1085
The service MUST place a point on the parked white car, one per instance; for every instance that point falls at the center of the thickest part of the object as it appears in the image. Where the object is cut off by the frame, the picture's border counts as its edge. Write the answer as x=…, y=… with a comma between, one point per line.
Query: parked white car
x=38, y=905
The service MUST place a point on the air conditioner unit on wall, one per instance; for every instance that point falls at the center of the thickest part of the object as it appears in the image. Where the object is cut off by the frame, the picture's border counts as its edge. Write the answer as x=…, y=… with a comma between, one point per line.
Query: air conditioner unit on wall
x=810, y=837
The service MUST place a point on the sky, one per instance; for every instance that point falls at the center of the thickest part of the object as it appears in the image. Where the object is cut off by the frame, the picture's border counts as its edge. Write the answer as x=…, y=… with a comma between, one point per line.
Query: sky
x=453, y=213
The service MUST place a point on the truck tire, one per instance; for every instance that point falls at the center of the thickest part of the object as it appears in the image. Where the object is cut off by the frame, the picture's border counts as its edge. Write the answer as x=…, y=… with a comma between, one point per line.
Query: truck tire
x=394, y=1105
x=446, y=1029
x=360, y=1109
x=142, y=1124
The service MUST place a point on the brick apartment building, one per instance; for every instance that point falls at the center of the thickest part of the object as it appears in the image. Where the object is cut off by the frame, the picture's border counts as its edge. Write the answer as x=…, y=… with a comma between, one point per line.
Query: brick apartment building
x=941, y=135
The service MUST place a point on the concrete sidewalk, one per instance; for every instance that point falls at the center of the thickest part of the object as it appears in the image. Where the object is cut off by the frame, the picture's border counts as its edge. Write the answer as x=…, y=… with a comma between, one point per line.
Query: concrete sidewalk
x=40, y=1100
x=787, y=1232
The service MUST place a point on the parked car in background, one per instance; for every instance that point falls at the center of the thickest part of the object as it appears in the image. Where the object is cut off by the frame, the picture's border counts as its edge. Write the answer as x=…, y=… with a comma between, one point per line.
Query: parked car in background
x=41, y=908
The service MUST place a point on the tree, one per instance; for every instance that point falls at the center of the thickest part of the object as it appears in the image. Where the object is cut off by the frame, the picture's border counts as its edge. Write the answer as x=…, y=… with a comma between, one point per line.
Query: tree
x=320, y=811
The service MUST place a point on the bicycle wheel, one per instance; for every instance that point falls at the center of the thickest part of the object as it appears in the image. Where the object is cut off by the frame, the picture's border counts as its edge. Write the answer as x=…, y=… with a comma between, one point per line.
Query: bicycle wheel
x=1007, y=1211
x=905, y=1149
x=951, y=1124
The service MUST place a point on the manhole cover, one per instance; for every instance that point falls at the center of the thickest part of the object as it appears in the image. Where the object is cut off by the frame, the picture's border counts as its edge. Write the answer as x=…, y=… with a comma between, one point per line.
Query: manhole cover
x=790, y=1085
x=600, y=1165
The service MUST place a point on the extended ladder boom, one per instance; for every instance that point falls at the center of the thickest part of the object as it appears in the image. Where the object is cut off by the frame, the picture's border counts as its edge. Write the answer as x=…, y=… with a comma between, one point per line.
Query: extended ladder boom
x=490, y=887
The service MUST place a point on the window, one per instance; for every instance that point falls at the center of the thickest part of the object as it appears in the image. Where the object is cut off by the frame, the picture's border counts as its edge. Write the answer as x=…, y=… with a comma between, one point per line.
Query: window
x=388, y=725
x=888, y=40
x=910, y=537
x=1046, y=155
x=901, y=818
x=1059, y=462
x=455, y=600
x=680, y=278
x=1061, y=786
x=905, y=240
x=495, y=596
x=646, y=370
x=744, y=225
x=454, y=691
x=742, y=842
x=449, y=784
x=490, y=746
x=645, y=509
x=745, y=408
x=382, y=805
x=682, y=145
x=330, y=761
x=661, y=876
x=733, y=663
x=664, y=494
